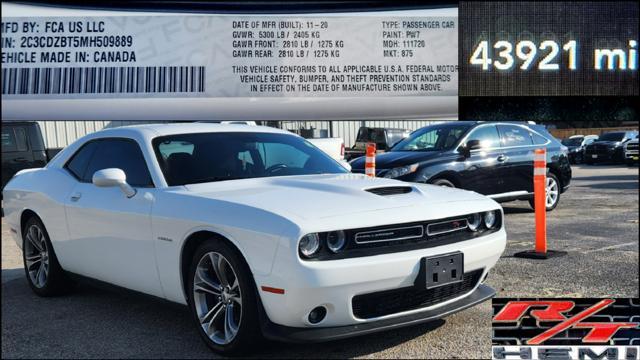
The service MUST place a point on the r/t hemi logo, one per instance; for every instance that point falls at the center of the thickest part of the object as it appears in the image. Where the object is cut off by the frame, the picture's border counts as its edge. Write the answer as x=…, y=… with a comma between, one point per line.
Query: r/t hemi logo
x=554, y=311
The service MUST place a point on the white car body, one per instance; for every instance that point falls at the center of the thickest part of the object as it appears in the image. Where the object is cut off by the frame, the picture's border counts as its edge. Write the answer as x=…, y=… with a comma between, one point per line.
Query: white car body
x=136, y=242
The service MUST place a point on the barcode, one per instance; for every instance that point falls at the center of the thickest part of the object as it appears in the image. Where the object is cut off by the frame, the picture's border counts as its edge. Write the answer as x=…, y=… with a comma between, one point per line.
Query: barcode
x=103, y=80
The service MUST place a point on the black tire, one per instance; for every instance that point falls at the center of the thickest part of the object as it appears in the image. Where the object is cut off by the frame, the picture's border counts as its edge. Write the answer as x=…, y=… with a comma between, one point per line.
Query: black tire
x=549, y=208
x=56, y=281
x=248, y=335
x=443, y=182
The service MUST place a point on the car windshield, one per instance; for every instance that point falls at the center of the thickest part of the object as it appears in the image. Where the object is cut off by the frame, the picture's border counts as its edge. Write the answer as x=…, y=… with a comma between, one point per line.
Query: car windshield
x=396, y=135
x=371, y=135
x=614, y=136
x=208, y=157
x=572, y=141
x=433, y=138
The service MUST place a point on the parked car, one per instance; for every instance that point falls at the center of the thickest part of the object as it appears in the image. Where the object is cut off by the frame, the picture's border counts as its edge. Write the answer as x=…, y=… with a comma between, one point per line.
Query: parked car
x=333, y=147
x=609, y=147
x=631, y=151
x=256, y=231
x=576, y=145
x=490, y=158
x=384, y=138
x=22, y=148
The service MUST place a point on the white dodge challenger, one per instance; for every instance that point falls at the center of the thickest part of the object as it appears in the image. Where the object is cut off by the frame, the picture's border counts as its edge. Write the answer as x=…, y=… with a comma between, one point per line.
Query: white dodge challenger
x=255, y=229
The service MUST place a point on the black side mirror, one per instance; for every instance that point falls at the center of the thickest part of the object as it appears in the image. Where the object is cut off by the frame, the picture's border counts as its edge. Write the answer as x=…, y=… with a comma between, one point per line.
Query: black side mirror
x=474, y=144
x=470, y=145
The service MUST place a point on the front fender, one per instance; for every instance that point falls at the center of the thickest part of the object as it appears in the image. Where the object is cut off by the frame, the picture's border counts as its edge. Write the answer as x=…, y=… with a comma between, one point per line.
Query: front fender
x=255, y=233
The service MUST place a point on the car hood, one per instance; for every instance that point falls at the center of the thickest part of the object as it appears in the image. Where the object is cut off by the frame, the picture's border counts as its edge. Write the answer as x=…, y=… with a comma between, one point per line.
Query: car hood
x=393, y=159
x=323, y=196
x=607, y=143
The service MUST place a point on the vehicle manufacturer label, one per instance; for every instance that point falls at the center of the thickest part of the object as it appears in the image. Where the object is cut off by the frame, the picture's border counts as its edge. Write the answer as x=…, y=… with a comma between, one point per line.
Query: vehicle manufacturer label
x=228, y=56
x=565, y=328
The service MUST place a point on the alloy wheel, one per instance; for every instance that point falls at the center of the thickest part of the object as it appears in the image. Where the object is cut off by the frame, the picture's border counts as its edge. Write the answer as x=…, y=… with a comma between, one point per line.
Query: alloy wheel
x=36, y=256
x=552, y=192
x=217, y=298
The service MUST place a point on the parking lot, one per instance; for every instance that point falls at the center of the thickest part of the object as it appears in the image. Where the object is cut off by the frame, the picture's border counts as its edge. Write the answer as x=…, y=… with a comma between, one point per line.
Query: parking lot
x=596, y=223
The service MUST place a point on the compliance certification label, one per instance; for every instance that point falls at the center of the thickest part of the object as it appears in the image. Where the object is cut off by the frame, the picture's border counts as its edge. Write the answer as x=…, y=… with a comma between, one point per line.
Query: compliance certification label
x=228, y=56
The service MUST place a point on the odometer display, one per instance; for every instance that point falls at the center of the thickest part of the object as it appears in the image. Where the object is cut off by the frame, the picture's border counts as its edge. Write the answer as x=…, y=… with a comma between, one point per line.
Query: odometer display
x=548, y=48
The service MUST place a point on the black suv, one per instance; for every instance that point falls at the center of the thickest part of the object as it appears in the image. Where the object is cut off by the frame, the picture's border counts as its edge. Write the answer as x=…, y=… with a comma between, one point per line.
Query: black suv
x=609, y=147
x=491, y=158
x=22, y=148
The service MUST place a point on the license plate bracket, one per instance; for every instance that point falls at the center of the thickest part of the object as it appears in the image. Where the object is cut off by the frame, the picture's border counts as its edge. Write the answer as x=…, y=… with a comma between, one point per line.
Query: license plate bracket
x=443, y=269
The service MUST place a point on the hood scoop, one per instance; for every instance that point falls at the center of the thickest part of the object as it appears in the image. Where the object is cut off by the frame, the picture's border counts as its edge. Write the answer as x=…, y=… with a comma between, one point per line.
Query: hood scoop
x=390, y=190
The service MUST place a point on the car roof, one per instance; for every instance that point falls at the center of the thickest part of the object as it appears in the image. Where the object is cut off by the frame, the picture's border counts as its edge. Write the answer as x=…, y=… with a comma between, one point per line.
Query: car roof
x=19, y=122
x=494, y=122
x=382, y=128
x=163, y=129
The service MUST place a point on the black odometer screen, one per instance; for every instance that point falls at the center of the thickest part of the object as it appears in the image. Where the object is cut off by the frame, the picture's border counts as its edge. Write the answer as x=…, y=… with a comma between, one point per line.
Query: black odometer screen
x=548, y=48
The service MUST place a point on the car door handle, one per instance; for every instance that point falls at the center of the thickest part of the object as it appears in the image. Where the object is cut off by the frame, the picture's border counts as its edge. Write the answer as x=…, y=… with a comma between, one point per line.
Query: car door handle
x=76, y=196
x=20, y=160
x=502, y=158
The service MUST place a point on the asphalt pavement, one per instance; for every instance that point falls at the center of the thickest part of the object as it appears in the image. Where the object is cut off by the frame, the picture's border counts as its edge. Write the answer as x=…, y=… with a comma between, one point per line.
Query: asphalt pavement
x=596, y=223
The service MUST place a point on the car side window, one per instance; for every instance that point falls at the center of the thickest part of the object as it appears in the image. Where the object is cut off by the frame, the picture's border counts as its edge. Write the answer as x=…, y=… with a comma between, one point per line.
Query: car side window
x=514, y=136
x=538, y=139
x=8, y=139
x=79, y=161
x=487, y=135
x=122, y=154
x=21, y=139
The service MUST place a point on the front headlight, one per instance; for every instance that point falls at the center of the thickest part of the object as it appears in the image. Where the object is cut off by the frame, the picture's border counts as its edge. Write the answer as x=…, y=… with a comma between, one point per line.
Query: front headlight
x=401, y=171
x=474, y=221
x=336, y=240
x=309, y=245
x=490, y=219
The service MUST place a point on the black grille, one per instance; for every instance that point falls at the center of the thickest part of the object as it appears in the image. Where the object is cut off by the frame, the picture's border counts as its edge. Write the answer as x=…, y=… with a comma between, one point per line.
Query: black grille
x=391, y=190
x=632, y=146
x=386, y=239
x=409, y=298
x=601, y=149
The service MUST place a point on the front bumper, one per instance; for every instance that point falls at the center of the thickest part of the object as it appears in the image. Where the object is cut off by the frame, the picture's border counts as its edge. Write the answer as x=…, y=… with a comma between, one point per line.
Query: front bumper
x=334, y=284
x=600, y=155
x=575, y=155
x=300, y=335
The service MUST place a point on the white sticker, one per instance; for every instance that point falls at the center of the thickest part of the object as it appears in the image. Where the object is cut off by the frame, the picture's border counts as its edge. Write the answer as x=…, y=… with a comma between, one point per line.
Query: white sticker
x=228, y=56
